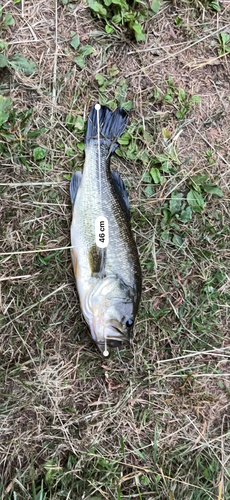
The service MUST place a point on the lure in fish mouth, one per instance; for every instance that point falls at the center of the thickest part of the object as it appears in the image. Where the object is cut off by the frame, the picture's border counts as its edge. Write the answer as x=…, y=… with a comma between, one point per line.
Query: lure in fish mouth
x=108, y=276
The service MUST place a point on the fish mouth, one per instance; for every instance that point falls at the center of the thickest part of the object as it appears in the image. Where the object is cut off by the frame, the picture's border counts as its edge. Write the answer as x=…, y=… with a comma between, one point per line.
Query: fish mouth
x=113, y=338
x=110, y=343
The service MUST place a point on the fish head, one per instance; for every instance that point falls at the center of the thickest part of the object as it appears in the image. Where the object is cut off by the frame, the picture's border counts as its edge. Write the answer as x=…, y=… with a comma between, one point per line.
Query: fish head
x=113, y=307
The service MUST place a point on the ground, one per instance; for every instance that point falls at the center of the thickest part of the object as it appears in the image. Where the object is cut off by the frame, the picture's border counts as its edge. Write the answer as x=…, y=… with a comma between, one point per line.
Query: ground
x=152, y=421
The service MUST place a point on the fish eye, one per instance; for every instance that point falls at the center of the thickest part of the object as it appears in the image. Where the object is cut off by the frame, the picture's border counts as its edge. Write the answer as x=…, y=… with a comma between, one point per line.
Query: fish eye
x=129, y=323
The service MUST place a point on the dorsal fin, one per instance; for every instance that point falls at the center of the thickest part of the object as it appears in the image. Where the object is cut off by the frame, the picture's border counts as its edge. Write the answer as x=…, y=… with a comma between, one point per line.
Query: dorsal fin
x=120, y=189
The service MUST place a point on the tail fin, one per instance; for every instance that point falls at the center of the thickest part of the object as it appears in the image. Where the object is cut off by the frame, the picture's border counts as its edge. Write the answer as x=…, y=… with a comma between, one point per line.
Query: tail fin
x=111, y=124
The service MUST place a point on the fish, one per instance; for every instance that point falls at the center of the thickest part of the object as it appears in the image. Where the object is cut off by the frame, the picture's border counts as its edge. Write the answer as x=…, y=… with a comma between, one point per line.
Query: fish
x=108, y=274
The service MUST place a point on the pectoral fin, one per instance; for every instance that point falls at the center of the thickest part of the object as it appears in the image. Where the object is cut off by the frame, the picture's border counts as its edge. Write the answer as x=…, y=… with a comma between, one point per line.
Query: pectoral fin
x=97, y=261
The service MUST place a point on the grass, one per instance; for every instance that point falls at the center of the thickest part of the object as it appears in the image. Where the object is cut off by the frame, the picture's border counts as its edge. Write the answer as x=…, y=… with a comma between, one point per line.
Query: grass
x=150, y=422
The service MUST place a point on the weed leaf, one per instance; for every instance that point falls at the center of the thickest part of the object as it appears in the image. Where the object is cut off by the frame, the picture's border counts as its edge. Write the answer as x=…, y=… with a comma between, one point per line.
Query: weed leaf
x=80, y=61
x=213, y=189
x=186, y=215
x=39, y=153
x=3, y=45
x=149, y=191
x=98, y=8
x=155, y=6
x=155, y=173
x=8, y=20
x=20, y=63
x=100, y=79
x=5, y=105
x=3, y=61
x=75, y=42
x=195, y=200
x=86, y=50
x=196, y=98
x=175, y=202
x=215, y=6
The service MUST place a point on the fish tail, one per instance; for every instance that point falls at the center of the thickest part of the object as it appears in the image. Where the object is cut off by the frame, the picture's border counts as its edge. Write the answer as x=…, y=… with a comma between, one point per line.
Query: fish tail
x=111, y=125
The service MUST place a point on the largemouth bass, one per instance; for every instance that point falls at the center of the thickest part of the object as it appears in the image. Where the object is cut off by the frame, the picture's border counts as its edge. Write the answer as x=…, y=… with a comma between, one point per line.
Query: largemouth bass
x=108, y=279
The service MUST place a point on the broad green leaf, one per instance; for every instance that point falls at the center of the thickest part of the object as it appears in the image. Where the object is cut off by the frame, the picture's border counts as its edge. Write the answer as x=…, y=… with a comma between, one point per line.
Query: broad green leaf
x=223, y=38
x=186, y=215
x=127, y=105
x=175, y=202
x=116, y=19
x=177, y=240
x=148, y=190
x=8, y=20
x=196, y=98
x=108, y=28
x=181, y=112
x=5, y=105
x=195, y=200
x=3, y=61
x=178, y=21
x=98, y=8
x=112, y=70
x=124, y=139
x=75, y=42
x=39, y=153
x=140, y=37
x=144, y=156
x=81, y=146
x=213, y=189
x=137, y=27
x=69, y=152
x=122, y=4
x=168, y=98
x=166, y=166
x=100, y=79
x=181, y=94
x=199, y=180
x=20, y=63
x=145, y=480
x=155, y=6
x=147, y=178
x=215, y=6
x=45, y=166
x=148, y=137
x=79, y=124
x=155, y=173
x=86, y=50
x=3, y=45
x=80, y=61
x=70, y=121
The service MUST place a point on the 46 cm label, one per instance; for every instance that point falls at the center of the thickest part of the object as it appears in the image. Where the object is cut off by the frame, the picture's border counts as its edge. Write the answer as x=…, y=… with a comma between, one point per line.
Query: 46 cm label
x=102, y=232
